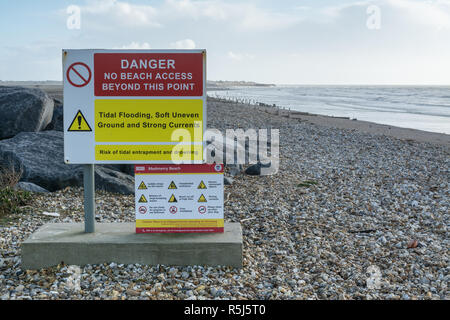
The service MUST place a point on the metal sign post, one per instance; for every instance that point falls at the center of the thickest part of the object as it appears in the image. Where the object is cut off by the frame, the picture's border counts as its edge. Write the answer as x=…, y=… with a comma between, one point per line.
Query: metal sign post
x=89, y=198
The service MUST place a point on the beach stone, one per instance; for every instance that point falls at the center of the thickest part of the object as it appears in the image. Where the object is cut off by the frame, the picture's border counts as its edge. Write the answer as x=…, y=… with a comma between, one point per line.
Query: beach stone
x=227, y=181
x=190, y=293
x=255, y=170
x=218, y=148
x=57, y=122
x=29, y=186
x=30, y=152
x=213, y=291
x=23, y=110
x=235, y=169
x=173, y=271
x=382, y=240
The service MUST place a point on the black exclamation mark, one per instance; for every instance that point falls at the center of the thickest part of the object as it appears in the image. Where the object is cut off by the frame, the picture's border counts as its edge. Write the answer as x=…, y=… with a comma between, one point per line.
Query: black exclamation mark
x=79, y=122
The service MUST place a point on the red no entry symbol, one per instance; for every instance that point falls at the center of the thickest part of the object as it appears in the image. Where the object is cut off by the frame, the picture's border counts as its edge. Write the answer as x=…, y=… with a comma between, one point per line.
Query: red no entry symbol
x=142, y=209
x=173, y=209
x=78, y=74
x=202, y=209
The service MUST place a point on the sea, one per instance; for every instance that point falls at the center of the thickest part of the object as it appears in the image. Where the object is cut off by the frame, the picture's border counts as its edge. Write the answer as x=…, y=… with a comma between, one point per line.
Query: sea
x=418, y=107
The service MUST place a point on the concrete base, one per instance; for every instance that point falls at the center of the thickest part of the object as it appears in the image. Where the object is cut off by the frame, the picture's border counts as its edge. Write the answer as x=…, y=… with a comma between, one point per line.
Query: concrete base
x=54, y=243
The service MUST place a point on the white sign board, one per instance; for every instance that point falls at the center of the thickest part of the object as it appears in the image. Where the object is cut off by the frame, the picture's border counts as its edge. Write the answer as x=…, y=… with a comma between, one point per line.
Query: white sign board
x=132, y=106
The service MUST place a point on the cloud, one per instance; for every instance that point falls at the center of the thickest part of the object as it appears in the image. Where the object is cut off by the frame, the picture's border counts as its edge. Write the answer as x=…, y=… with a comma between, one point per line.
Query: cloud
x=239, y=15
x=435, y=13
x=183, y=44
x=135, y=45
x=239, y=56
x=431, y=13
x=335, y=11
x=120, y=13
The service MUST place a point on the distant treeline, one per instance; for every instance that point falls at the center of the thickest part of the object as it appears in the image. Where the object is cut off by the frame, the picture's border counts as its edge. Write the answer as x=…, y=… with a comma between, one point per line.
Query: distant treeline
x=221, y=84
x=211, y=84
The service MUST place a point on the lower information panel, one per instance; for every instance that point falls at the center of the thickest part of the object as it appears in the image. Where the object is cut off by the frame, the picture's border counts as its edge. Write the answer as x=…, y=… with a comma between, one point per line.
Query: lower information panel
x=179, y=198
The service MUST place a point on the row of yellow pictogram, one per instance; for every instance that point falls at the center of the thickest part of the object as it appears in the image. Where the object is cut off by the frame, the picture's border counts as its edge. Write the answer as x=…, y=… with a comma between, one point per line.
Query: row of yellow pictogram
x=172, y=198
x=172, y=185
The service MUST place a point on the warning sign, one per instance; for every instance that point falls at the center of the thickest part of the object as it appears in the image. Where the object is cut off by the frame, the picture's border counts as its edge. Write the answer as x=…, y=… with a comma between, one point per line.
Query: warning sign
x=142, y=199
x=119, y=120
x=186, y=208
x=172, y=185
x=142, y=186
x=133, y=105
x=142, y=210
x=201, y=185
x=202, y=198
x=79, y=123
x=78, y=74
x=173, y=209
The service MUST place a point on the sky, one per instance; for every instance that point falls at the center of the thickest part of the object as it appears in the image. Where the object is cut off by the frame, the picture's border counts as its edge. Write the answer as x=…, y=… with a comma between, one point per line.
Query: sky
x=391, y=42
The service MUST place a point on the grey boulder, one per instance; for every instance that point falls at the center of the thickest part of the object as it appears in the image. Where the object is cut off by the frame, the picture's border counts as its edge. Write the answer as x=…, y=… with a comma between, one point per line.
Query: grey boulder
x=124, y=168
x=28, y=186
x=113, y=181
x=234, y=151
x=23, y=110
x=255, y=169
x=40, y=157
x=235, y=169
x=228, y=181
x=57, y=122
x=218, y=147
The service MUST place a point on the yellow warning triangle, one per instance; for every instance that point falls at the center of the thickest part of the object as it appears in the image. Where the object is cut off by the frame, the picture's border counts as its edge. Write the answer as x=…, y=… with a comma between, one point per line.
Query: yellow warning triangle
x=172, y=185
x=142, y=199
x=202, y=198
x=201, y=185
x=142, y=186
x=79, y=123
x=172, y=198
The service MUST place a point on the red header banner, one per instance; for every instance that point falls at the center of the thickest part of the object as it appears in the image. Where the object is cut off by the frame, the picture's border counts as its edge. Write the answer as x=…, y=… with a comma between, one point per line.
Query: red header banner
x=181, y=168
x=148, y=74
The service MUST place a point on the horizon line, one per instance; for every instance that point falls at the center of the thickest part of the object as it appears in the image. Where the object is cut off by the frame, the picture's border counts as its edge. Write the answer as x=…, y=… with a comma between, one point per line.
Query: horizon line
x=288, y=84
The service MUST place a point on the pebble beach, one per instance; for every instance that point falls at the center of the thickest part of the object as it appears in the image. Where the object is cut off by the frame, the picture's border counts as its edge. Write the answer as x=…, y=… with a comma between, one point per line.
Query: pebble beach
x=347, y=200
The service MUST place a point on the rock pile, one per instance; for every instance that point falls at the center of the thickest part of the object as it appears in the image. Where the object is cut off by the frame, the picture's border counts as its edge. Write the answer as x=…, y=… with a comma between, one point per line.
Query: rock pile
x=32, y=140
